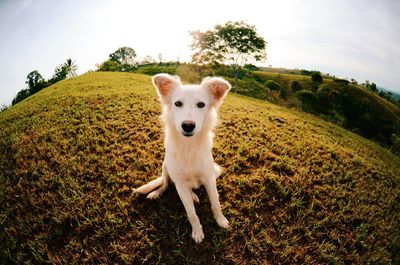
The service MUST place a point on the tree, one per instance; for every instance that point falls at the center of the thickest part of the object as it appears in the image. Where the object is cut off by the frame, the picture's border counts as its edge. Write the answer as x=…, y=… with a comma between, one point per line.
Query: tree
x=70, y=67
x=35, y=82
x=367, y=84
x=373, y=87
x=124, y=55
x=33, y=79
x=60, y=73
x=21, y=95
x=234, y=43
x=63, y=71
x=148, y=60
x=160, y=58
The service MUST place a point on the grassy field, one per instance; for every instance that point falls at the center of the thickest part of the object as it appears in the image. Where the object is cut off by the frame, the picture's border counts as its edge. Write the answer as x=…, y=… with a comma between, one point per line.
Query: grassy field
x=295, y=189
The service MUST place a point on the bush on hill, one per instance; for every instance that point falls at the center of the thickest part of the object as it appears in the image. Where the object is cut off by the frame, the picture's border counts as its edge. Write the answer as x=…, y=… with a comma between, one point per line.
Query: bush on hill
x=273, y=85
x=21, y=95
x=295, y=85
x=309, y=99
x=316, y=77
x=115, y=66
x=152, y=69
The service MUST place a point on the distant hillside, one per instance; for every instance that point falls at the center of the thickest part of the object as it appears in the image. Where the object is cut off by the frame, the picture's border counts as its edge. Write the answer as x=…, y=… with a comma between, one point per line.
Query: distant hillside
x=373, y=114
x=395, y=95
x=347, y=99
x=296, y=189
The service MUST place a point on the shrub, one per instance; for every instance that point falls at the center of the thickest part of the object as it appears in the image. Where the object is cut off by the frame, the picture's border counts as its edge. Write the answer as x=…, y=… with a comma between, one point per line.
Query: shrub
x=305, y=72
x=252, y=88
x=128, y=68
x=324, y=92
x=309, y=99
x=115, y=66
x=22, y=94
x=273, y=85
x=156, y=69
x=341, y=81
x=295, y=86
x=251, y=67
x=316, y=77
x=110, y=66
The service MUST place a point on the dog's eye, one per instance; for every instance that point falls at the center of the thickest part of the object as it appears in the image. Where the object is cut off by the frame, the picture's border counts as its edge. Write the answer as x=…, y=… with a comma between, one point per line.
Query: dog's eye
x=200, y=105
x=179, y=104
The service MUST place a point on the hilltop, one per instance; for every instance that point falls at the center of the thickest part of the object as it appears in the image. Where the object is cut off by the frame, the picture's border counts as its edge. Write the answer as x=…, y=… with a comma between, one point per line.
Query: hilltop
x=296, y=189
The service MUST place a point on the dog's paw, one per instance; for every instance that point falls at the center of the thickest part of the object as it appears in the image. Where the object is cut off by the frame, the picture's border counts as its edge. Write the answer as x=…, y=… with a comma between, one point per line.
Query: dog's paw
x=153, y=195
x=197, y=234
x=222, y=221
x=195, y=198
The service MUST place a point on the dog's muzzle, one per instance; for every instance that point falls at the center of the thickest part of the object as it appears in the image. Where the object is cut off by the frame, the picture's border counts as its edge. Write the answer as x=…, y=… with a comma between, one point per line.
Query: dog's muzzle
x=188, y=127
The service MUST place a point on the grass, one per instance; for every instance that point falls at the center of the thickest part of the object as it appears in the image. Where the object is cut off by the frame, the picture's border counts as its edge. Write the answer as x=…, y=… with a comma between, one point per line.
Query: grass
x=295, y=189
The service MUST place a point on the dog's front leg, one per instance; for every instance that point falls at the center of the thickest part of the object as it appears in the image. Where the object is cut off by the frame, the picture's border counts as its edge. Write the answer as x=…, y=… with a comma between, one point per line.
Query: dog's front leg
x=211, y=188
x=186, y=197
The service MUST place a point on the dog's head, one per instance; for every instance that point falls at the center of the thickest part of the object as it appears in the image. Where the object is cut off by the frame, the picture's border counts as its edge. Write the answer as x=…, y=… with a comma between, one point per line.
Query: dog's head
x=190, y=104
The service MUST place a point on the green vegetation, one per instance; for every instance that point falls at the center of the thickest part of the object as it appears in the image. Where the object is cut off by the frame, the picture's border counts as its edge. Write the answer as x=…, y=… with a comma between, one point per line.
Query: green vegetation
x=316, y=77
x=296, y=189
x=36, y=82
x=337, y=100
x=122, y=60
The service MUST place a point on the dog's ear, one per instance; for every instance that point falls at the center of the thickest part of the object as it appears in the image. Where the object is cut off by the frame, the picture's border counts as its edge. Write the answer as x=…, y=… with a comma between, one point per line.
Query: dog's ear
x=164, y=84
x=217, y=87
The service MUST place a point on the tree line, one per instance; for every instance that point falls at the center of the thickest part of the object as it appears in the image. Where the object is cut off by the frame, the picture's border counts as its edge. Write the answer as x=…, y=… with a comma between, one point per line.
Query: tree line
x=35, y=81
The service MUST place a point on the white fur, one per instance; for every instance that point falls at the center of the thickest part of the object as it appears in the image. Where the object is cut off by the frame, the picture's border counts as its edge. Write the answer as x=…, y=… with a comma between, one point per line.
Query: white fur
x=188, y=160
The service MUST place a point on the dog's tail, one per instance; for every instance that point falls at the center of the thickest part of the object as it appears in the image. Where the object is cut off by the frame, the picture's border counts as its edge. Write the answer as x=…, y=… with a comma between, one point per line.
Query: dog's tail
x=152, y=185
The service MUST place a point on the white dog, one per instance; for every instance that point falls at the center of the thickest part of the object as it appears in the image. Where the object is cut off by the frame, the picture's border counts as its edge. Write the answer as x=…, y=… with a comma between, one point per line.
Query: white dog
x=189, y=113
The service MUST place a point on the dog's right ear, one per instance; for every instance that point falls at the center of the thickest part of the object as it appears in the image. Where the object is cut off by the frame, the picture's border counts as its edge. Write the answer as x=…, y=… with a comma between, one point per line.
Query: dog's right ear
x=165, y=84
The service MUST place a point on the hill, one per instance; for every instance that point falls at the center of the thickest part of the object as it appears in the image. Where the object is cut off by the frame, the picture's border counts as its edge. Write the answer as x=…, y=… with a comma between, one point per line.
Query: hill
x=296, y=189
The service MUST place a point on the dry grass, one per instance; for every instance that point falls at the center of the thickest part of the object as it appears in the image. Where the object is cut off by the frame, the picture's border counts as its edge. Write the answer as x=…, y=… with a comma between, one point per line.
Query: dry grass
x=295, y=189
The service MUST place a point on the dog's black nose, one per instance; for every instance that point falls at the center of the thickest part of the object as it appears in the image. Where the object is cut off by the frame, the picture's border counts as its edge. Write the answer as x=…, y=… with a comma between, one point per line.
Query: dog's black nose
x=188, y=126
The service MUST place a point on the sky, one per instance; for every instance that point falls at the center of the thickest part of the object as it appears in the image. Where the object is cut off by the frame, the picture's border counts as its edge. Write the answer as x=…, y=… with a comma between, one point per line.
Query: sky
x=357, y=39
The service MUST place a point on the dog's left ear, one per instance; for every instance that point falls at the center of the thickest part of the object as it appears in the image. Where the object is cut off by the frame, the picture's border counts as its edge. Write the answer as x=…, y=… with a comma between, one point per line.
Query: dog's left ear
x=217, y=87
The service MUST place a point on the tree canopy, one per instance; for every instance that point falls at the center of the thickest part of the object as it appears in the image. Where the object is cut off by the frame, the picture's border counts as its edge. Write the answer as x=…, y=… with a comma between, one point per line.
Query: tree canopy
x=124, y=55
x=234, y=43
x=33, y=79
x=65, y=70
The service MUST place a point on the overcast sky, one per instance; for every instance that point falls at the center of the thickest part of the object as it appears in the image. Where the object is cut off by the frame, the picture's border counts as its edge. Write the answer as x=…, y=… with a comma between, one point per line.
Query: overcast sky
x=355, y=39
